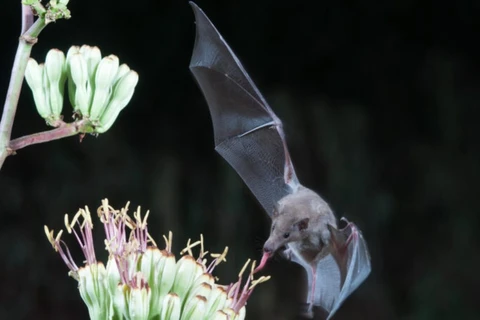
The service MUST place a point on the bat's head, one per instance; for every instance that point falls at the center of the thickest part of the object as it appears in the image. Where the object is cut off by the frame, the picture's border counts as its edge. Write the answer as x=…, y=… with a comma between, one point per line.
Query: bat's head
x=286, y=229
x=298, y=216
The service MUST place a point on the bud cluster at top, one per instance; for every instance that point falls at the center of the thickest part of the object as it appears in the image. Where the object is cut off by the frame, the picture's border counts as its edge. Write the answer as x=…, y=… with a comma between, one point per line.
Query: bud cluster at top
x=98, y=88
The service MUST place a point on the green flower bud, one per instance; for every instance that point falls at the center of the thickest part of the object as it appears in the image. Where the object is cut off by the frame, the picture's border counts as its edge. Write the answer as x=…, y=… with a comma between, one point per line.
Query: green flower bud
x=184, y=276
x=159, y=268
x=70, y=83
x=205, y=278
x=202, y=285
x=168, y=275
x=139, y=302
x=34, y=78
x=47, y=83
x=72, y=50
x=203, y=290
x=79, y=76
x=93, y=290
x=56, y=75
x=106, y=72
x=123, y=92
x=171, y=307
x=92, y=56
x=113, y=275
x=194, y=308
x=120, y=302
x=122, y=71
x=219, y=315
x=216, y=300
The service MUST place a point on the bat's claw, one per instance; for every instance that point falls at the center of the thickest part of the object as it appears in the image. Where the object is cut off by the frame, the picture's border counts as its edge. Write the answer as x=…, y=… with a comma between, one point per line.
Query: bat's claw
x=345, y=219
x=339, y=236
x=353, y=235
x=350, y=225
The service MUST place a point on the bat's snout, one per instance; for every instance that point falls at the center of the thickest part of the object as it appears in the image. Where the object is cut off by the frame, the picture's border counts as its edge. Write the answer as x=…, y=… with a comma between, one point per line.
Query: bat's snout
x=268, y=250
x=272, y=245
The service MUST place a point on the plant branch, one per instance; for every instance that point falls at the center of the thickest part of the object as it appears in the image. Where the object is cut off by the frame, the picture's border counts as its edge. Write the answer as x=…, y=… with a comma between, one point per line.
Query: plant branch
x=26, y=42
x=63, y=131
x=27, y=18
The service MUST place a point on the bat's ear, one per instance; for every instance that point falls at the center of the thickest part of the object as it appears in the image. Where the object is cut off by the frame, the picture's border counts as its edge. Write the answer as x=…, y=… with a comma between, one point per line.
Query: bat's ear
x=303, y=224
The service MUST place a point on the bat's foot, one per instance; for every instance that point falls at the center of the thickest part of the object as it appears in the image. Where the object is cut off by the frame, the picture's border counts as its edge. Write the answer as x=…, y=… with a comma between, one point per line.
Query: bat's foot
x=306, y=311
x=307, y=314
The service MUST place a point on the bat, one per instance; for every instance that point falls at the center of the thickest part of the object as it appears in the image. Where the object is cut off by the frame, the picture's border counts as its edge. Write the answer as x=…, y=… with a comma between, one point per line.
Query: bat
x=250, y=137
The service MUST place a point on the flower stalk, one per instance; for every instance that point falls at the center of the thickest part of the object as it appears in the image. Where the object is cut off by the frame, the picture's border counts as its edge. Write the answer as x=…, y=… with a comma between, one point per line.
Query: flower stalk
x=26, y=42
x=29, y=33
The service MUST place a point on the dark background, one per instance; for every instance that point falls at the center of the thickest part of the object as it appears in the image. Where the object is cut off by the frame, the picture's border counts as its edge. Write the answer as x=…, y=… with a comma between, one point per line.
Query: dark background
x=380, y=106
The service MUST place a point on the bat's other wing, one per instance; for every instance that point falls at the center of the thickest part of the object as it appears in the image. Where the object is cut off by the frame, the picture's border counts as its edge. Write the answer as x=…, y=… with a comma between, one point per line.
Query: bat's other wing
x=247, y=132
x=340, y=272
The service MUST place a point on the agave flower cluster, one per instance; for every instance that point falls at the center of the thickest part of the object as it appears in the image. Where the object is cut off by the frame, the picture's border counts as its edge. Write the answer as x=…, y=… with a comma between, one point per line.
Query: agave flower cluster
x=98, y=88
x=141, y=281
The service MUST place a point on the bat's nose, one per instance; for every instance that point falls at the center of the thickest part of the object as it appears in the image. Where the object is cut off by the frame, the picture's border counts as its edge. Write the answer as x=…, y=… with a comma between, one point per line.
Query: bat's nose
x=267, y=250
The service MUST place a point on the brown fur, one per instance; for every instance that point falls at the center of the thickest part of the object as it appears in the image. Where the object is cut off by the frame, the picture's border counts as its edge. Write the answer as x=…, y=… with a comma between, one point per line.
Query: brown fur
x=301, y=220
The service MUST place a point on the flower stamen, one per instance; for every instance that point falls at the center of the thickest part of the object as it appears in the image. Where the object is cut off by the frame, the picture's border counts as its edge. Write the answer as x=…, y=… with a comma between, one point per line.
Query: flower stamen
x=219, y=257
x=168, y=242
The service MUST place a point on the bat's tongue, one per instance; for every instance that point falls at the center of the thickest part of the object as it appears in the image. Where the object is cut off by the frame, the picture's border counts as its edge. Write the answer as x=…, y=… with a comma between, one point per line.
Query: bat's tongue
x=263, y=262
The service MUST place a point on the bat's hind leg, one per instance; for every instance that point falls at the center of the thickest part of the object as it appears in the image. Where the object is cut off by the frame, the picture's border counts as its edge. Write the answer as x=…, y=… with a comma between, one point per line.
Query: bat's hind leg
x=308, y=313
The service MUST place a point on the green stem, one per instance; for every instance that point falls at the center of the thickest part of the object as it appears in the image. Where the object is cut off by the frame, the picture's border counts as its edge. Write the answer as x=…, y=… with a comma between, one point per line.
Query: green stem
x=63, y=131
x=26, y=42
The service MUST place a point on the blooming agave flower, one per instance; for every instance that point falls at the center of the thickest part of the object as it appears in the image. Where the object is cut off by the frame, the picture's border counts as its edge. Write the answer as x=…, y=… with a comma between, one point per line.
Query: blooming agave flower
x=142, y=282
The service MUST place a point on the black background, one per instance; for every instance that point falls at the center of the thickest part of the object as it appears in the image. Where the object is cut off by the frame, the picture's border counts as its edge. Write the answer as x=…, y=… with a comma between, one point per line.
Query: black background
x=380, y=106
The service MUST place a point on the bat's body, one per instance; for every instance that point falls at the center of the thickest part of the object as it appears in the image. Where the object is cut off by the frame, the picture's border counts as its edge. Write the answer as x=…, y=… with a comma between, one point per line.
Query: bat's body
x=301, y=220
x=304, y=223
x=250, y=137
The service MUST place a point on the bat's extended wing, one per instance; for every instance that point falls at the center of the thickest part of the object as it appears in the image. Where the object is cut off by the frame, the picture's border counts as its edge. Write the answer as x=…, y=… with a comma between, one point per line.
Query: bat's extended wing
x=250, y=137
x=340, y=272
x=247, y=132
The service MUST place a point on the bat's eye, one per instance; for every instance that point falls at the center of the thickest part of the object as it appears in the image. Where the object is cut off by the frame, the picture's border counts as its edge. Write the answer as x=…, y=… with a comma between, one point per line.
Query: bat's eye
x=286, y=235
